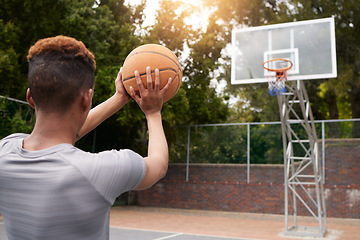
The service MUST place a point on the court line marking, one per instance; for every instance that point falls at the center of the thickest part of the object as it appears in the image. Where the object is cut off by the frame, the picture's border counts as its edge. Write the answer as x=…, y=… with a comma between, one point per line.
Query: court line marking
x=171, y=236
x=191, y=234
x=177, y=234
x=141, y=229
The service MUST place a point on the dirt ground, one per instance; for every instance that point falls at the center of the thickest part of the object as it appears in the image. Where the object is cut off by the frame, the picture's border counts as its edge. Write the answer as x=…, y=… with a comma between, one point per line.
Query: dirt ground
x=226, y=224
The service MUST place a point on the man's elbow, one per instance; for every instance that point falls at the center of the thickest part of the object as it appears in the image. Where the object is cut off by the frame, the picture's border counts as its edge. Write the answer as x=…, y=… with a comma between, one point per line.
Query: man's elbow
x=163, y=171
x=163, y=166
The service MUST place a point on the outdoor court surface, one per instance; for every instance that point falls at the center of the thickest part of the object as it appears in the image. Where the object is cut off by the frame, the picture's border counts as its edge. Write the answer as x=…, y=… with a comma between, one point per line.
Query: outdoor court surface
x=138, y=223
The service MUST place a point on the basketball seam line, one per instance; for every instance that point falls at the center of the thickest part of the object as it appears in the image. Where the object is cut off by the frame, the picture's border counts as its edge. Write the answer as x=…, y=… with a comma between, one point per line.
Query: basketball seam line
x=176, y=63
x=142, y=74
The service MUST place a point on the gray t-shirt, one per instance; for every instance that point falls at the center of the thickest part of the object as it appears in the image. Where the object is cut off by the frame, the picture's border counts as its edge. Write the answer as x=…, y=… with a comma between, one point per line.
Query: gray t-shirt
x=62, y=192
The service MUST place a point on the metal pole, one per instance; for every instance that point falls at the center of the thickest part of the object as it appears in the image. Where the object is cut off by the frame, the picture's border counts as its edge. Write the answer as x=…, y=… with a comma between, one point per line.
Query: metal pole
x=281, y=100
x=188, y=154
x=248, y=153
x=14, y=100
x=323, y=148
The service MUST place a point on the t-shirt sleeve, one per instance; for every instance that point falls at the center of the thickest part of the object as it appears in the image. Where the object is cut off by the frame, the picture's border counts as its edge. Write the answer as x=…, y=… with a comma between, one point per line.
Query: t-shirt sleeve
x=7, y=143
x=113, y=172
x=12, y=137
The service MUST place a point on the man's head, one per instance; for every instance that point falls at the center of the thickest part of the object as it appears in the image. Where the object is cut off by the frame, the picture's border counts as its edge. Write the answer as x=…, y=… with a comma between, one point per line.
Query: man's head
x=60, y=68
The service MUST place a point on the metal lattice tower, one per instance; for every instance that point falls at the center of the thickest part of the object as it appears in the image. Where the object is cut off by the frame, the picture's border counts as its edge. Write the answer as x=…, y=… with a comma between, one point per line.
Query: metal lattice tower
x=302, y=165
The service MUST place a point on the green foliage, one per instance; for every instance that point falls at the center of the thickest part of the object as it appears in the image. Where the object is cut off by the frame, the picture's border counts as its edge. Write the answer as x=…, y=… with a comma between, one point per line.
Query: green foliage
x=347, y=27
x=330, y=98
x=266, y=144
x=111, y=30
x=15, y=118
x=228, y=144
x=218, y=144
x=253, y=101
x=170, y=29
x=109, y=36
x=9, y=66
x=245, y=12
x=198, y=102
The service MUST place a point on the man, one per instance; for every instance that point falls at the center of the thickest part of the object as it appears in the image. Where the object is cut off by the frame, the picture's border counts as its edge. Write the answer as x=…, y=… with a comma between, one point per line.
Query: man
x=49, y=189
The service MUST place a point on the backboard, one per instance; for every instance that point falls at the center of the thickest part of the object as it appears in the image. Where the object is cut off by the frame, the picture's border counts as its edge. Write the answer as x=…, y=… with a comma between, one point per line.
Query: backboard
x=309, y=45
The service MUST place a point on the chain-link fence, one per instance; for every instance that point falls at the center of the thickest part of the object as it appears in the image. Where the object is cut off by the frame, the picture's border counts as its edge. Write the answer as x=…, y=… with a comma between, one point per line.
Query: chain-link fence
x=247, y=143
x=232, y=143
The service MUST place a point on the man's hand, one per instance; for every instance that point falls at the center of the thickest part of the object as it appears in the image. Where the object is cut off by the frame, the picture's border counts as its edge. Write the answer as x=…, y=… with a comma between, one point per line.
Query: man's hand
x=120, y=89
x=151, y=98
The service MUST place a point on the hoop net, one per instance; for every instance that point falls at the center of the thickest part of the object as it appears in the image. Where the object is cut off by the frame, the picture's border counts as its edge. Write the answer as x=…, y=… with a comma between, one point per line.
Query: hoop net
x=276, y=74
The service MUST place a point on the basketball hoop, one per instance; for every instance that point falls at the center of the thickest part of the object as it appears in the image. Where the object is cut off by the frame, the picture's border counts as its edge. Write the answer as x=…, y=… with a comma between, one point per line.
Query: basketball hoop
x=276, y=81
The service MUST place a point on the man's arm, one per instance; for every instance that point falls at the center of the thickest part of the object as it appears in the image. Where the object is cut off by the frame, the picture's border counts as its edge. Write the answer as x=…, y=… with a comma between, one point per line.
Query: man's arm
x=150, y=101
x=106, y=109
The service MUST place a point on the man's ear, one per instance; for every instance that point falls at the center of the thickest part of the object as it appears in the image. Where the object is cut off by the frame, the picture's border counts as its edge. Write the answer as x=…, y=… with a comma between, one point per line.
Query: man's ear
x=29, y=98
x=87, y=99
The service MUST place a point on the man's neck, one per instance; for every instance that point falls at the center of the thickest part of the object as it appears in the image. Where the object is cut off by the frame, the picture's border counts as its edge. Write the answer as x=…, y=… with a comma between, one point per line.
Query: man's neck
x=51, y=130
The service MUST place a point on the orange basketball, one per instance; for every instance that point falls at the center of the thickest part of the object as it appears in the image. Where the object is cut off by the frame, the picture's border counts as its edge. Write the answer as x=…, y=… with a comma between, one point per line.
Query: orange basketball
x=156, y=57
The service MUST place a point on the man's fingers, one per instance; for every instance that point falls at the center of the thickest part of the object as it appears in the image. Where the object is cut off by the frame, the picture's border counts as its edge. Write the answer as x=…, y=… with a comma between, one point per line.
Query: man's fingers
x=138, y=81
x=167, y=86
x=150, y=85
x=120, y=72
x=157, y=79
x=119, y=76
x=133, y=94
x=148, y=78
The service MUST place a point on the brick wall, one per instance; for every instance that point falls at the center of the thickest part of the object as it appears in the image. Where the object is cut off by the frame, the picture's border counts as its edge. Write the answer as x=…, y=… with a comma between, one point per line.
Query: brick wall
x=225, y=187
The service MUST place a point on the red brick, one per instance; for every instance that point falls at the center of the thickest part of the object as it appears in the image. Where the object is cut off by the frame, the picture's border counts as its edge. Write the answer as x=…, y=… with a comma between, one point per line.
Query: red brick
x=224, y=187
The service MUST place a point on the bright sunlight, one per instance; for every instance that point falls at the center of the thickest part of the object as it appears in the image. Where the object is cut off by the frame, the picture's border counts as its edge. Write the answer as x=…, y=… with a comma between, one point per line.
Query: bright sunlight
x=199, y=19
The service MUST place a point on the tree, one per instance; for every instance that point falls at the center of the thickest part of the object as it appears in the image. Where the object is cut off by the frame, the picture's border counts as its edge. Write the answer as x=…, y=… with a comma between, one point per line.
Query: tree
x=252, y=98
x=196, y=102
x=326, y=95
x=109, y=36
x=347, y=27
x=9, y=66
x=348, y=49
x=25, y=22
x=204, y=105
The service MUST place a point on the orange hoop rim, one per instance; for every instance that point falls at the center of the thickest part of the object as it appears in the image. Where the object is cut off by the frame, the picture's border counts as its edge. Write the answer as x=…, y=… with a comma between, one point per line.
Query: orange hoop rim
x=277, y=69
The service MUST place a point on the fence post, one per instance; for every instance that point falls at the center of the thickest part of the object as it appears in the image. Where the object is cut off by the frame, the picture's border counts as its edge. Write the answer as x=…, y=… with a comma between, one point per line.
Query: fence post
x=188, y=154
x=323, y=148
x=248, y=153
